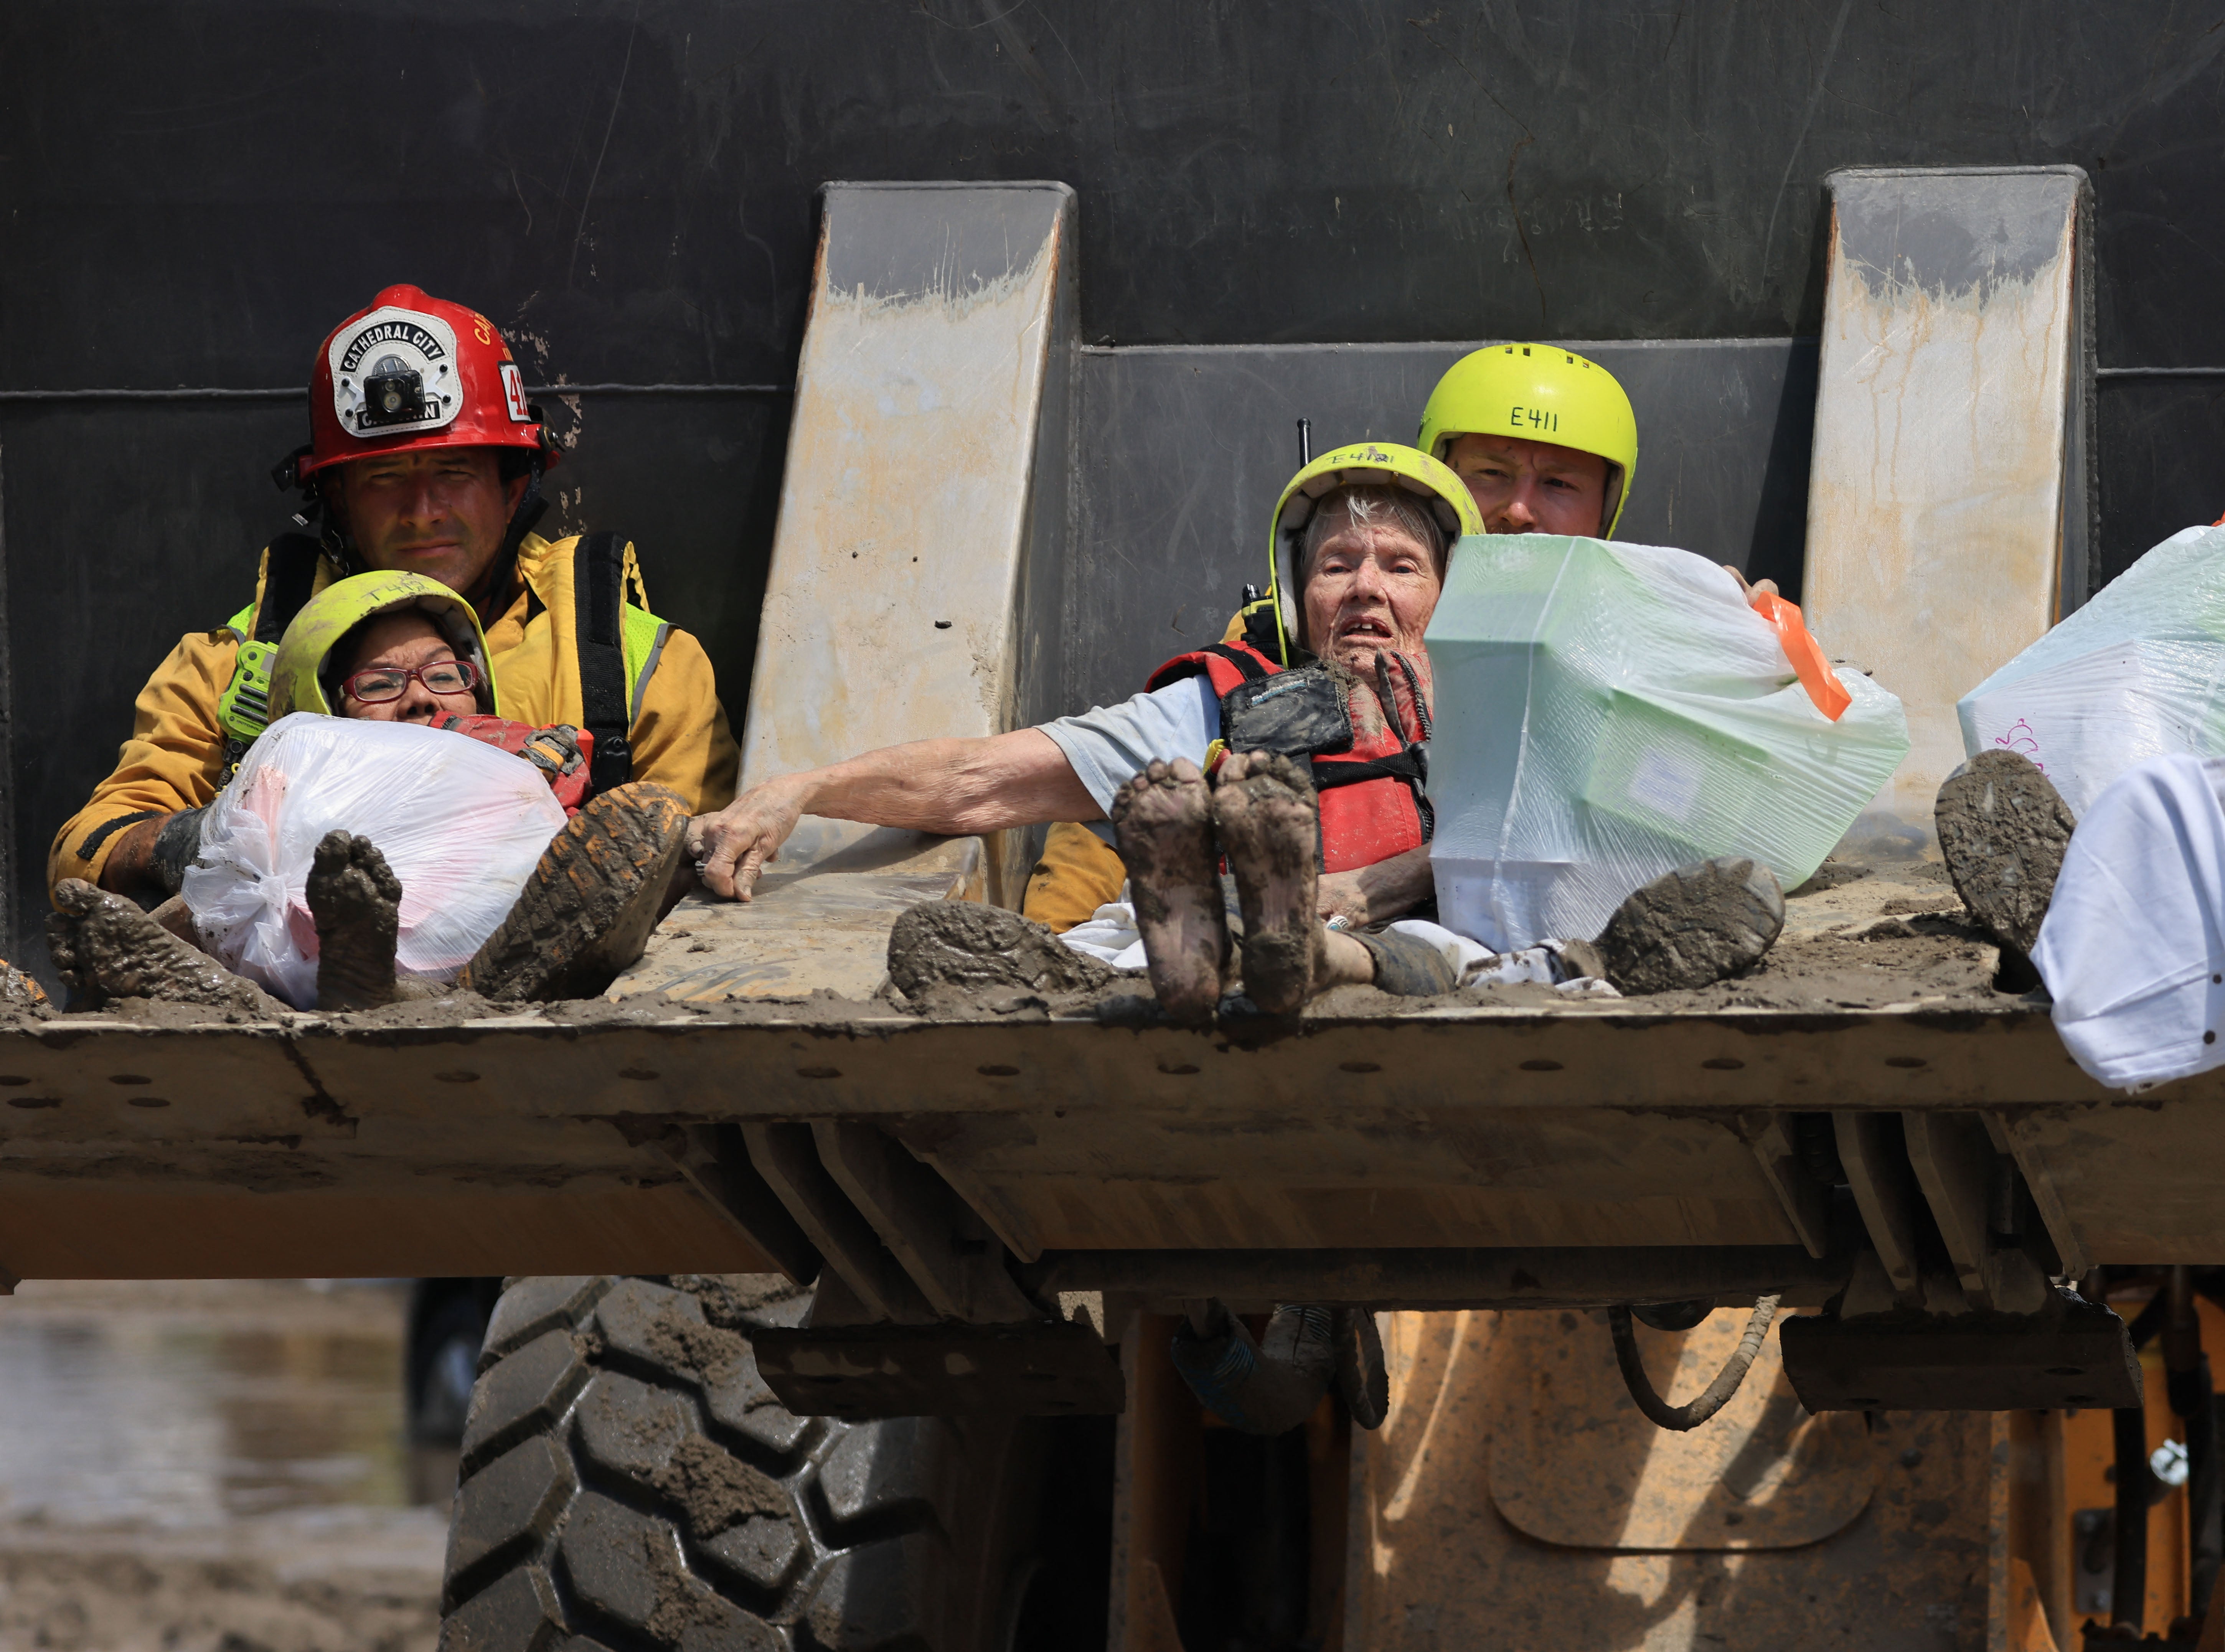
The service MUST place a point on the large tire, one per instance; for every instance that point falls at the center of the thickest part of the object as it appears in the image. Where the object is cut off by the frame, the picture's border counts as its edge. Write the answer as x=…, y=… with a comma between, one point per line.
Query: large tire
x=627, y=1478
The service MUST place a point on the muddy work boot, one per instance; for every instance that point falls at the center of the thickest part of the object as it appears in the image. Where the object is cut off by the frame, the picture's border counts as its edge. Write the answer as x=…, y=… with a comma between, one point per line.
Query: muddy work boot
x=1268, y=819
x=1267, y=1387
x=2003, y=830
x=966, y=946
x=1162, y=820
x=1689, y=927
x=1406, y=966
x=1270, y=1386
x=356, y=900
x=586, y=911
x=106, y=948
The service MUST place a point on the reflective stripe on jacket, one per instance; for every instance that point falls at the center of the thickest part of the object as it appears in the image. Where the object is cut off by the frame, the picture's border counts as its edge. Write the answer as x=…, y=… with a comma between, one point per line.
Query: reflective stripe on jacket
x=676, y=729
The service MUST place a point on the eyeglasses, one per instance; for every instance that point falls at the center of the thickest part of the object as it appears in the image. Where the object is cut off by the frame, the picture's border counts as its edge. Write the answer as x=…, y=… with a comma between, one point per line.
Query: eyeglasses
x=382, y=683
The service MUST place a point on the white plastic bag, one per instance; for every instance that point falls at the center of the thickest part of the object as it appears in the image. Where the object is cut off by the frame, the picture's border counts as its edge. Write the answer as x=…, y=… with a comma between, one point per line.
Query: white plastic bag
x=461, y=824
x=1606, y=713
x=2134, y=675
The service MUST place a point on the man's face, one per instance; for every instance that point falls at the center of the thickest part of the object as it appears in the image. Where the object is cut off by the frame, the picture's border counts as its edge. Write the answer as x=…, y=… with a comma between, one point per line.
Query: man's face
x=1532, y=487
x=441, y=513
x=1371, y=587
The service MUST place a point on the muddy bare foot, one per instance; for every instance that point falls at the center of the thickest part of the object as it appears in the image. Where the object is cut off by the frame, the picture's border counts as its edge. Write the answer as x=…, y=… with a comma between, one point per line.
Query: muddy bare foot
x=355, y=898
x=586, y=911
x=1691, y=928
x=1267, y=819
x=104, y=948
x=1164, y=818
x=2003, y=830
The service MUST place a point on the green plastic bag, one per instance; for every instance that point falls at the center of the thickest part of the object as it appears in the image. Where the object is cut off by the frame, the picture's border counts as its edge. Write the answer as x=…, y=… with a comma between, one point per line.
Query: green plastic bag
x=1606, y=713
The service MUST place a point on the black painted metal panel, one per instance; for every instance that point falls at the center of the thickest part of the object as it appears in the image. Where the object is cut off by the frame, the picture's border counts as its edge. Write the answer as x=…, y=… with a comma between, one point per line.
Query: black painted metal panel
x=127, y=525
x=195, y=193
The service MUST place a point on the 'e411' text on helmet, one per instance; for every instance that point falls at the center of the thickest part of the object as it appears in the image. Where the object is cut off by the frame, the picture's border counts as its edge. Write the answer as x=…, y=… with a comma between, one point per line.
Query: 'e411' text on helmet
x=1540, y=393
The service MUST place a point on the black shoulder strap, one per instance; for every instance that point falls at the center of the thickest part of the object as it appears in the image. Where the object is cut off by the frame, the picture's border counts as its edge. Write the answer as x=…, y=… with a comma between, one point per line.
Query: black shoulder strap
x=289, y=577
x=599, y=612
x=1240, y=658
x=1405, y=766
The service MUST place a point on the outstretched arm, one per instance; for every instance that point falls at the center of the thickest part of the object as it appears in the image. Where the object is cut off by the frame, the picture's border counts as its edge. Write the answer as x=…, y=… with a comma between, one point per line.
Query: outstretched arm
x=953, y=788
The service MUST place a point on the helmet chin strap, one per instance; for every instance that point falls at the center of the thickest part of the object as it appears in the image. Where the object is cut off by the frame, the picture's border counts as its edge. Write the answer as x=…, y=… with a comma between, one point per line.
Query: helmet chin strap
x=532, y=505
x=339, y=545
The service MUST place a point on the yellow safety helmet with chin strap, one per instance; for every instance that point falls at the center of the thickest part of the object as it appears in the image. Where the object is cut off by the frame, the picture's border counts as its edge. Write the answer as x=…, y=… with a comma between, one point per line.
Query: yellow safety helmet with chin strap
x=1539, y=393
x=298, y=674
x=1367, y=464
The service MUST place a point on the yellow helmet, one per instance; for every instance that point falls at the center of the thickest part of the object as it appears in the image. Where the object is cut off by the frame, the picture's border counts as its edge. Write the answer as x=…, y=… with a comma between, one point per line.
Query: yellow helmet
x=1540, y=393
x=1367, y=464
x=298, y=675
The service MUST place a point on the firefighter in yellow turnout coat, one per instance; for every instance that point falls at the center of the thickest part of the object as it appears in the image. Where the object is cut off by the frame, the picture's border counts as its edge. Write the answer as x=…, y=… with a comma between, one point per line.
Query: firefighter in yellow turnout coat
x=426, y=457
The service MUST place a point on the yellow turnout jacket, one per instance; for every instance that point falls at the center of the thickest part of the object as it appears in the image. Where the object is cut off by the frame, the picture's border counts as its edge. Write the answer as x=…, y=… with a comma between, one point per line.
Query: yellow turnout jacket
x=175, y=758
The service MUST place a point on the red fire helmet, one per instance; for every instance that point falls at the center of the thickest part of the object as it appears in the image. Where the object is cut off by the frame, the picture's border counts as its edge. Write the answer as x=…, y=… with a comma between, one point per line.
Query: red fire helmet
x=412, y=372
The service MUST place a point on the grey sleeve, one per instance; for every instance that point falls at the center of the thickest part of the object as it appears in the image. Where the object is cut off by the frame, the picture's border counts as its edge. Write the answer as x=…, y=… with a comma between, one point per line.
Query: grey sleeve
x=1109, y=745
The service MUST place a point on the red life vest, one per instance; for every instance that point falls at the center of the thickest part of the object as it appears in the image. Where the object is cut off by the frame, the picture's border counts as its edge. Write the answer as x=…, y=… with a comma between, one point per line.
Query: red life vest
x=1374, y=801
x=567, y=767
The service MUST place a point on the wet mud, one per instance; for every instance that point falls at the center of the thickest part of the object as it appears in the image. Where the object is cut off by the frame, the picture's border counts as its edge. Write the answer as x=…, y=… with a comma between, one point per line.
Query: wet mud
x=103, y=946
x=1854, y=937
x=207, y=1464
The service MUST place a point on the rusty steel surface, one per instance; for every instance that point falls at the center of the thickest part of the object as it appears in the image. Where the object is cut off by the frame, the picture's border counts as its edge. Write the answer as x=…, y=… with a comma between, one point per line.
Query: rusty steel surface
x=915, y=570
x=1643, y=1557
x=1949, y=497
x=1573, y=1462
x=1491, y=1127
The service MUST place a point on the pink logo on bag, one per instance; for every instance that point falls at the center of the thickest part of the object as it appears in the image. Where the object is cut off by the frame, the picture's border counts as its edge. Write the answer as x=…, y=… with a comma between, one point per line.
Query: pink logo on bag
x=2020, y=739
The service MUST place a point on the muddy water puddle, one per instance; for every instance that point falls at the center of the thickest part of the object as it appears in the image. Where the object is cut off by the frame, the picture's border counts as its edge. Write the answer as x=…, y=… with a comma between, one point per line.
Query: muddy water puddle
x=179, y=1405
x=213, y=1463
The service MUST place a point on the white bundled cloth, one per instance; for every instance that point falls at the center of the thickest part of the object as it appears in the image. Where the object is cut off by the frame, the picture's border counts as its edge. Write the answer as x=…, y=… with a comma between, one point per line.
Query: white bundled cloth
x=1607, y=713
x=461, y=823
x=1110, y=935
x=2135, y=673
x=2134, y=945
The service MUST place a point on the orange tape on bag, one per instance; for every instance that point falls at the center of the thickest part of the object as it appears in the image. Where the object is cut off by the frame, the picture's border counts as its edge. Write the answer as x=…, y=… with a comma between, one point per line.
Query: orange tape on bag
x=1814, y=671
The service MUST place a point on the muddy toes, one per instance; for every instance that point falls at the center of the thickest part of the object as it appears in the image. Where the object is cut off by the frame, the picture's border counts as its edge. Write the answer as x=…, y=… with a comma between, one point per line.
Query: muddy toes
x=1268, y=819
x=1163, y=820
x=106, y=948
x=355, y=899
x=2003, y=830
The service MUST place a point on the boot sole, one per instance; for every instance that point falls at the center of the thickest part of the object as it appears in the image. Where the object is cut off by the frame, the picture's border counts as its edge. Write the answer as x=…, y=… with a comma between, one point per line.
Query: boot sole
x=2003, y=830
x=1692, y=927
x=586, y=911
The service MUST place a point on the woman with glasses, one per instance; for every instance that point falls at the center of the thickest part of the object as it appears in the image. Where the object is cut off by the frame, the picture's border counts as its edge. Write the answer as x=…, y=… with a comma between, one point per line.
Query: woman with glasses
x=399, y=647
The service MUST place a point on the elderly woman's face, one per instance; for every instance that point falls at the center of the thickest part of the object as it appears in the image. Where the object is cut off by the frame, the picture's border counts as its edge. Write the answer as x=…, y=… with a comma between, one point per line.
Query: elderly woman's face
x=1371, y=586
